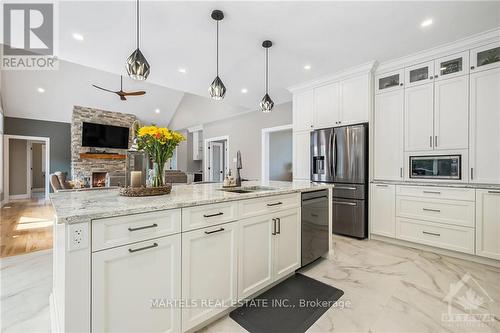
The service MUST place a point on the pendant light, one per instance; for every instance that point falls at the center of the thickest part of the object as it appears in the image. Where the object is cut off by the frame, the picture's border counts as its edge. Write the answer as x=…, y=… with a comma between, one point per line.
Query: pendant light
x=137, y=65
x=217, y=89
x=267, y=104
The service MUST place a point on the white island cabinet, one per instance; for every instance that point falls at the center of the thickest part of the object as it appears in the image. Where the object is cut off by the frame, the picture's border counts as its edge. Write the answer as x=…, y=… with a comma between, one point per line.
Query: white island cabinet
x=170, y=263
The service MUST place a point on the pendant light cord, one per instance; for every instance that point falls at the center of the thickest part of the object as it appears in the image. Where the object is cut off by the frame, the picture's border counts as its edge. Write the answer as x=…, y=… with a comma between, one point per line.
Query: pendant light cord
x=267, y=70
x=137, y=20
x=217, y=52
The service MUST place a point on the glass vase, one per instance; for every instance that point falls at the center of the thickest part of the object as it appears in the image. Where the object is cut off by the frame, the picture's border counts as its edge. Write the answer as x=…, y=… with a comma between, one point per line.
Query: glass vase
x=159, y=174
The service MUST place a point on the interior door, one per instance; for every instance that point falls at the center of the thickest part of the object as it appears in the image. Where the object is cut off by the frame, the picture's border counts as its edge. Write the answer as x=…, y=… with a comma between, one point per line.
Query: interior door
x=287, y=243
x=127, y=278
x=255, y=264
x=419, y=118
x=217, y=161
x=451, y=113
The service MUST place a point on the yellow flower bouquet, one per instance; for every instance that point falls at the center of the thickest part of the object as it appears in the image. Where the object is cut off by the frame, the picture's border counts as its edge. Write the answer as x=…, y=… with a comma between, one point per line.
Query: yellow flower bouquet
x=159, y=143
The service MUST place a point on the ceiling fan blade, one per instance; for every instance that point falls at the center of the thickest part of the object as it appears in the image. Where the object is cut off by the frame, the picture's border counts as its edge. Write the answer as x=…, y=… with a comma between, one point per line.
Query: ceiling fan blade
x=133, y=93
x=111, y=91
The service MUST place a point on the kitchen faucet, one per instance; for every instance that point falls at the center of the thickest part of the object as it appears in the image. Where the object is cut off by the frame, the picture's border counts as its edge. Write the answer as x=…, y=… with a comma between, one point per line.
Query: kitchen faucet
x=238, y=168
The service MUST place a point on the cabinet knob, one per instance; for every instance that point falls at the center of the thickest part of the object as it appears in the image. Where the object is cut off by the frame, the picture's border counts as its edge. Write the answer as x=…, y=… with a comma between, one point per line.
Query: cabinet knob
x=430, y=78
x=436, y=76
x=401, y=84
x=472, y=67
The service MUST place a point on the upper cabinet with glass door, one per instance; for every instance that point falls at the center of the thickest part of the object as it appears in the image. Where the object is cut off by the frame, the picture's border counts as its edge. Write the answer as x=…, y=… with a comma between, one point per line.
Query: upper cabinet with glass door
x=389, y=81
x=419, y=74
x=450, y=66
x=485, y=57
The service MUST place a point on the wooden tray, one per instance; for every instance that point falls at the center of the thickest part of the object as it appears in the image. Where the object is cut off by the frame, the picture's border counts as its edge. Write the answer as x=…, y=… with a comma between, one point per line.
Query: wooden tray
x=145, y=191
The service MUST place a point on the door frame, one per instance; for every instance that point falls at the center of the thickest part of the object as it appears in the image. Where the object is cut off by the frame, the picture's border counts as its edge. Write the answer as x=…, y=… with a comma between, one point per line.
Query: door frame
x=6, y=142
x=265, y=148
x=206, y=155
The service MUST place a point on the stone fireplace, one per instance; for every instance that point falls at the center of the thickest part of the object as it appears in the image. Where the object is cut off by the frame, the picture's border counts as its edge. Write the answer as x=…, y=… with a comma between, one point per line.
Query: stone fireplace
x=99, y=179
x=84, y=168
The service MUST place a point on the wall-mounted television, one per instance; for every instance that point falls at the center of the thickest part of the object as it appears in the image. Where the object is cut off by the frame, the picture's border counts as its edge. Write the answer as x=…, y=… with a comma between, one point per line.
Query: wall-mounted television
x=104, y=136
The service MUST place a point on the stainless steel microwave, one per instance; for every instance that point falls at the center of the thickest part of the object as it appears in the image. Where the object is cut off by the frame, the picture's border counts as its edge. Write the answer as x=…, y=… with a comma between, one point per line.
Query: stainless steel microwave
x=436, y=167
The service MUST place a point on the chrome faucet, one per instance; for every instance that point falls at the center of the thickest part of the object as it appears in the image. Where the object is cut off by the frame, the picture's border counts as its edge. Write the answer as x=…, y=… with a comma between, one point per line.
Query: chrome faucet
x=238, y=168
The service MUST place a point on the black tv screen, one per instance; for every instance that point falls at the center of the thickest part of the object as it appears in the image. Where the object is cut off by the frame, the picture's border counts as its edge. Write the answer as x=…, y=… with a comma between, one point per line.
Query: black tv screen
x=104, y=136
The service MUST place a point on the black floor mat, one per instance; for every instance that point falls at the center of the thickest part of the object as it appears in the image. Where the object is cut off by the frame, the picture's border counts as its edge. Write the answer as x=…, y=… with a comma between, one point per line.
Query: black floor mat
x=291, y=306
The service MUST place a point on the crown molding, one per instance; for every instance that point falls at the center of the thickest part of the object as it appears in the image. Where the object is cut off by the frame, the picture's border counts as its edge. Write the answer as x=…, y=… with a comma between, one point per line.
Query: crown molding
x=473, y=41
x=365, y=68
x=195, y=128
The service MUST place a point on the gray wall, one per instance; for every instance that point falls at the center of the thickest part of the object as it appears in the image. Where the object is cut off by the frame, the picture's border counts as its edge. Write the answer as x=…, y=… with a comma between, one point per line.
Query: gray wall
x=280, y=151
x=59, y=134
x=192, y=165
x=245, y=134
x=18, y=163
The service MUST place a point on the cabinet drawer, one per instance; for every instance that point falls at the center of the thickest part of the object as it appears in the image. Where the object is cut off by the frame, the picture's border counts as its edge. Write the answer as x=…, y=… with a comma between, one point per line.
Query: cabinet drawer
x=451, y=193
x=436, y=210
x=265, y=205
x=439, y=235
x=120, y=230
x=207, y=215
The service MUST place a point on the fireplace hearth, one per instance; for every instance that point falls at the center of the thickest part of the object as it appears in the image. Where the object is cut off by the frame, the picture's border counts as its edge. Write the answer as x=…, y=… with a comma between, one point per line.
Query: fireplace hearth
x=99, y=179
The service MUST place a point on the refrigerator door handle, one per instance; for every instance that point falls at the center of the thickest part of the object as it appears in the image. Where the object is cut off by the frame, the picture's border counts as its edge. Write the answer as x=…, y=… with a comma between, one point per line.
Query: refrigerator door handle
x=334, y=159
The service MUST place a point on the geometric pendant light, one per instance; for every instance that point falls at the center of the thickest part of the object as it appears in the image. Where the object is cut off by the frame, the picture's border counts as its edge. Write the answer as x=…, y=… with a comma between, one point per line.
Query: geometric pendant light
x=137, y=65
x=267, y=104
x=217, y=90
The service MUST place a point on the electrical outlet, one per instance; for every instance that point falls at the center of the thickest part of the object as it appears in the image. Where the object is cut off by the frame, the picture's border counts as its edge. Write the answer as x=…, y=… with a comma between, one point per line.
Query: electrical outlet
x=78, y=236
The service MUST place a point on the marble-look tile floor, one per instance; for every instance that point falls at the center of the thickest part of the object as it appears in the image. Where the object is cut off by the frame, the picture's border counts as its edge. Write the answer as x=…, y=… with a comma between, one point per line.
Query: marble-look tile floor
x=389, y=288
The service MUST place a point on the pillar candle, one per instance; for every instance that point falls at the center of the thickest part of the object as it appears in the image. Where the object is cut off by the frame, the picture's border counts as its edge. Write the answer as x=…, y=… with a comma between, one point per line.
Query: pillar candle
x=135, y=178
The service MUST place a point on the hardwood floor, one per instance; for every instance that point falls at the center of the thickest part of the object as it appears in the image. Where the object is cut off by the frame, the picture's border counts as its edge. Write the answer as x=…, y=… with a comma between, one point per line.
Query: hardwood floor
x=26, y=226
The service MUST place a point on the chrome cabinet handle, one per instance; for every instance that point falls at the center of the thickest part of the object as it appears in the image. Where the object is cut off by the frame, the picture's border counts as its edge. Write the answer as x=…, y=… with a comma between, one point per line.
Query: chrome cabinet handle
x=154, y=225
x=431, y=233
x=345, y=188
x=213, y=215
x=494, y=192
x=274, y=204
x=471, y=173
x=279, y=226
x=430, y=141
x=400, y=172
x=274, y=227
x=431, y=192
x=214, y=231
x=382, y=185
x=143, y=248
x=345, y=203
x=431, y=210
x=307, y=199
x=435, y=141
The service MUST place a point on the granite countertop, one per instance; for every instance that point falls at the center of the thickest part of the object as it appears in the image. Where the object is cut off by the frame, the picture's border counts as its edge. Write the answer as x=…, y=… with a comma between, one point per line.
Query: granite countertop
x=443, y=184
x=84, y=206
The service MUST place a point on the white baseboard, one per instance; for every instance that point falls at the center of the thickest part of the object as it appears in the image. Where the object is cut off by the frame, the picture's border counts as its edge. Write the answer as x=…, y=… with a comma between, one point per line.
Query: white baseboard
x=445, y=252
x=19, y=196
x=54, y=322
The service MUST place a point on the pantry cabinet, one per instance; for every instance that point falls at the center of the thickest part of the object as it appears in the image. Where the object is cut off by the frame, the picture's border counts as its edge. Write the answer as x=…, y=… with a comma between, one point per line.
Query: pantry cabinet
x=488, y=223
x=301, y=155
x=303, y=105
x=125, y=281
x=419, y=116
x=326, y=105
x=383, y=210
x=485, y=127
x=209, y=272
x=388, y=136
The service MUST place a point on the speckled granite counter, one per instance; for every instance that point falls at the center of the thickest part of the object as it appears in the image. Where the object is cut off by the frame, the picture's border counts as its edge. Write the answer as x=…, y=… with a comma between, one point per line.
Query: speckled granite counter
x=464, y=185
x=83, y=206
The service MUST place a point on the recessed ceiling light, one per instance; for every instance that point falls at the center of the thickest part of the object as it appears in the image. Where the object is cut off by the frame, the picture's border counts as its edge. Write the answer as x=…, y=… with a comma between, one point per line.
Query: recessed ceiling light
x=182, y=70
x=40, y=90
x=307, y=67
x=157, y=110
x=244, y=90
x=77, y=36
x=426, y=23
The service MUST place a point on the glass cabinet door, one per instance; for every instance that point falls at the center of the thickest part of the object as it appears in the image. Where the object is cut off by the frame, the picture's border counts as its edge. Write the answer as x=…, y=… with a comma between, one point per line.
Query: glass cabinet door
x=389, y=81
x=485, y=57
x=419, y=74
x=452, y=65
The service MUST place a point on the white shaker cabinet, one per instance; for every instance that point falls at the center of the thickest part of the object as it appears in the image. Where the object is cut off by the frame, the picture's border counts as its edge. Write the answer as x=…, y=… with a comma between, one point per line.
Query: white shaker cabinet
x=256, y=254
x=303, y=106
x=326, y=105
x=287, y=243
x=383, y=210
x=209, y=272
x=355, y=100
x=388, y=135
x=419, y=116
x=485, y=57
x=488, y=223
x=301, y=155
x=484, y=148
x=389, y=81
x=126, y=279
x=451, y=112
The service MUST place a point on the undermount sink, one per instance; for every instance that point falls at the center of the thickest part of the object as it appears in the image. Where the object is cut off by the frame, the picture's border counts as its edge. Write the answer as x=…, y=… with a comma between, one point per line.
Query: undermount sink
x=247, y=189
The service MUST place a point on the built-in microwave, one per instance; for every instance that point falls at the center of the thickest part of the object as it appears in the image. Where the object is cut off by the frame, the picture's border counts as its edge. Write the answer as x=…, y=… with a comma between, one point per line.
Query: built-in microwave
x=436, y=167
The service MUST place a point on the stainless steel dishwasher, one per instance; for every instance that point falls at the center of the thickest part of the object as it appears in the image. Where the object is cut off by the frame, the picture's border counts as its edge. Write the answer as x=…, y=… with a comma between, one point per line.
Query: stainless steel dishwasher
x=314, y=225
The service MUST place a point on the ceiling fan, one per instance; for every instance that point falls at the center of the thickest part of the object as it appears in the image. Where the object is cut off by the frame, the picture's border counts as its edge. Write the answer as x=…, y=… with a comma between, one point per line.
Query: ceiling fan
x=122, y=93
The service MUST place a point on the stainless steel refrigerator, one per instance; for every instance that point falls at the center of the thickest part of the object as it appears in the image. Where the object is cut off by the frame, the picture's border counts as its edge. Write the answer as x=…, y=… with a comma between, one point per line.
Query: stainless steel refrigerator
x=340, y=155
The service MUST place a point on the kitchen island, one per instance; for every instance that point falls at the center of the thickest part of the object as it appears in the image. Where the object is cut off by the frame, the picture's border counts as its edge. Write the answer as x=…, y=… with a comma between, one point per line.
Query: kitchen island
x=170, y=263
